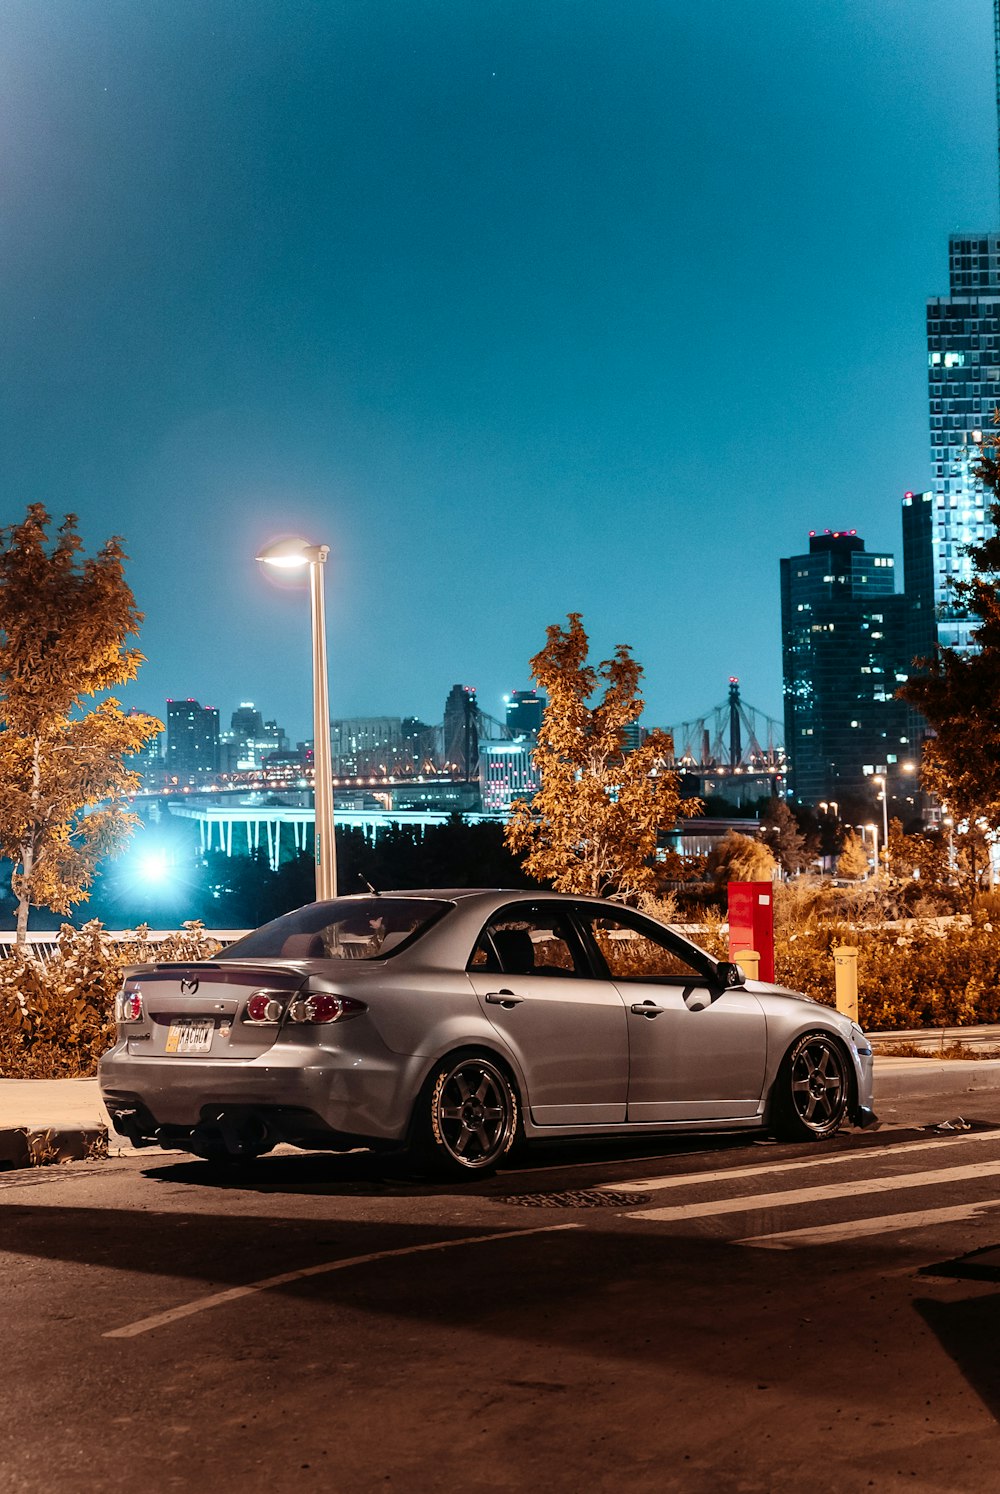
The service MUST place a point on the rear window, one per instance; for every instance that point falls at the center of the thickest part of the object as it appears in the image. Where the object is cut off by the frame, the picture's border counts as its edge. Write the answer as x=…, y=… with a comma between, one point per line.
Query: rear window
x=369, y=928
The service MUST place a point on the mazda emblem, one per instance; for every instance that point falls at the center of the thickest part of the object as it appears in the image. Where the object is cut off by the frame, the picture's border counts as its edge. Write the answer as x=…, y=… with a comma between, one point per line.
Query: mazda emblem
x=189, y=986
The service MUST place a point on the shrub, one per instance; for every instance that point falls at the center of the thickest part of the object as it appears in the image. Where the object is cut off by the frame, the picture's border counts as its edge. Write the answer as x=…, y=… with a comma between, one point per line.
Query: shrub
x=56, y=1014
x=924, y=975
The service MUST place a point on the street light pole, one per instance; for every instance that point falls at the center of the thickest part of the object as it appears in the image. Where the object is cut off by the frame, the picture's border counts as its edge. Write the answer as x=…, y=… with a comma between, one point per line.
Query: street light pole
x=289, y=555
x=883, y=779
x=324, y=834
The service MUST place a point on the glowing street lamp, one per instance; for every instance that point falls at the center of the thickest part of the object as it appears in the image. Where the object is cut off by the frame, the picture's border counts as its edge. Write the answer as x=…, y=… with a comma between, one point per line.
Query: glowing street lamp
x=293, y=555
x=951, y=841
x=874, y=830
x=883, y=779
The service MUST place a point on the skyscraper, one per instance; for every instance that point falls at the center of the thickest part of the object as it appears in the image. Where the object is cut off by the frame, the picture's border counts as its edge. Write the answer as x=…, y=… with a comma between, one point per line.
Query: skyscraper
x=461, y=732
x=192, y=740
x=963, y=381
x=918, y=573
x=524, y=712
x=843, y=631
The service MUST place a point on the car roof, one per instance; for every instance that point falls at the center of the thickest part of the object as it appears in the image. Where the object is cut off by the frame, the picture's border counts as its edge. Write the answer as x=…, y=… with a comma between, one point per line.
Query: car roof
x=453, y=894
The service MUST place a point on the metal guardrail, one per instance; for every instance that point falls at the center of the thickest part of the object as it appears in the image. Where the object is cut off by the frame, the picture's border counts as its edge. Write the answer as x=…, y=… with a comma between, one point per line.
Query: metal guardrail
x=44, y=945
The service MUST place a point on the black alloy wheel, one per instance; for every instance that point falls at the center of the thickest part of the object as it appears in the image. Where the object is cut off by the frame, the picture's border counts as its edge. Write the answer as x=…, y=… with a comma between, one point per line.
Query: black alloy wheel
x=469, y=1116
x=812, y=1092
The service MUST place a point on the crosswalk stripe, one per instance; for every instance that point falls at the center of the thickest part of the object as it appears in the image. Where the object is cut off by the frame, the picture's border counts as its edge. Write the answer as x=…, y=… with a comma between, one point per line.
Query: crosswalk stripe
x=863, y=1154
x=857, y=1229
x=866, y=1186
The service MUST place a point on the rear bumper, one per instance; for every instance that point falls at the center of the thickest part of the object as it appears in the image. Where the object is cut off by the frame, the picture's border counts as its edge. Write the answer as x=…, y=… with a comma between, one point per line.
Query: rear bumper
x=301, y=1092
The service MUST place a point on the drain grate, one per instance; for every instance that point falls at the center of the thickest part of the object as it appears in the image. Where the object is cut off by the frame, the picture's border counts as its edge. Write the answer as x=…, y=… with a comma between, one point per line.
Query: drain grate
x=579, y=1198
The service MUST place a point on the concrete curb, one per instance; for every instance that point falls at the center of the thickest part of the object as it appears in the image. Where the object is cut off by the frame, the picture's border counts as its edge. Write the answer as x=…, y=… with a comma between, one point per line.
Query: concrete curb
x=36, y=1146
x=923, y=1078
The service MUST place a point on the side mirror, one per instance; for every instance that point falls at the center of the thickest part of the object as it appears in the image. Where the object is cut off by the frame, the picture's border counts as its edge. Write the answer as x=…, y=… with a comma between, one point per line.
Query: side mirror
x=730, y=975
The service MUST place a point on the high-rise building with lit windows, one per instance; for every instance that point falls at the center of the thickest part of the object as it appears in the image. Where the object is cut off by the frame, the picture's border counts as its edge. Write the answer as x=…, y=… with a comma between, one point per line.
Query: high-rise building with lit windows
x=506, y=773
x=843, y=633
x=192, y=740
x=963, y=378
x=524, y=712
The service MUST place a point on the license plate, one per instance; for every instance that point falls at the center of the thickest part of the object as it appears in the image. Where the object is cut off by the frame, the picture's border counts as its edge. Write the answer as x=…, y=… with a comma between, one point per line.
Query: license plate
x=190, y=1035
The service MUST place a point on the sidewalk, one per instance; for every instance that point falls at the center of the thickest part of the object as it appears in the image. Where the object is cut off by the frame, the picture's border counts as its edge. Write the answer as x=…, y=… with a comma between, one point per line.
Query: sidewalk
x=63, y=1119
x=52, y=1119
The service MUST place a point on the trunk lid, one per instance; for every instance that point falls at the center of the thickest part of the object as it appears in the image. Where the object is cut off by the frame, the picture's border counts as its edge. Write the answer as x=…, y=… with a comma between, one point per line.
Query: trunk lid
x=196, y=1010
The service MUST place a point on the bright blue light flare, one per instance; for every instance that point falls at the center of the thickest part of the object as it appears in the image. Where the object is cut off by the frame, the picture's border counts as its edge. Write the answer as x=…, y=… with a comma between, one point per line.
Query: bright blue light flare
x=153, y=869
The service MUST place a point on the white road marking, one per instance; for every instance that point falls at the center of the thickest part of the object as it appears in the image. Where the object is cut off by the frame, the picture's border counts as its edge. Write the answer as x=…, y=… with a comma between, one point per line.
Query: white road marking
x=863, y=1154
x=856, y=1229
x=750, y=1202
x=233, y=1294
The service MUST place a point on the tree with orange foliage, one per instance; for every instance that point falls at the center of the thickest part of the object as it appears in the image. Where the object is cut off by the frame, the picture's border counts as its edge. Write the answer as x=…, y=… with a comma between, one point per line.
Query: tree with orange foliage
x=64, y=779
x=592, y=825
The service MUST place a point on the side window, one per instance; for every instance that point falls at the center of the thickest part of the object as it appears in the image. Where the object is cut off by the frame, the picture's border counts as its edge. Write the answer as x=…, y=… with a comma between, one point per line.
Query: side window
x=536, y=942
x=636, y=951
x=484, y=956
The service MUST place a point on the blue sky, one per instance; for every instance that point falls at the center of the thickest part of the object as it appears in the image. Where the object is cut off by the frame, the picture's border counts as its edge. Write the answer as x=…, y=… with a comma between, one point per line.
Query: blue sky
x=522, y=306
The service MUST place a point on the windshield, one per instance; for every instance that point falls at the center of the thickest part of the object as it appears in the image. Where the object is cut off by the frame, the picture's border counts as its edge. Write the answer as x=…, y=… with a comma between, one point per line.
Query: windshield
x=362, y=928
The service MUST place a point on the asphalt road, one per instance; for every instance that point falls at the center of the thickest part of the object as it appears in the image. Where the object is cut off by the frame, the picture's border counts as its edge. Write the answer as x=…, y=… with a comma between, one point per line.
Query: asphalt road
x=706, y=1315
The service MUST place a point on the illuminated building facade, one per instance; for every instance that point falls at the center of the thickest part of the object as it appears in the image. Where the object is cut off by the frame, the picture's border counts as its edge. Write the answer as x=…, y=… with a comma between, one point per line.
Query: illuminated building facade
x=381, y=746
x=367, y=746
x=963, y=376
x=843, y=631
x=192, y=740
x=251, y=741
x=524, y=712
x=506, y=773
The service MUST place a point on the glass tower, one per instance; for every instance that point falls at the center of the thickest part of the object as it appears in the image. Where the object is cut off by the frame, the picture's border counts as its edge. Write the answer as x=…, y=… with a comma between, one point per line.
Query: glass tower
x=963, y=375
x=192, y=740
x=843, y=628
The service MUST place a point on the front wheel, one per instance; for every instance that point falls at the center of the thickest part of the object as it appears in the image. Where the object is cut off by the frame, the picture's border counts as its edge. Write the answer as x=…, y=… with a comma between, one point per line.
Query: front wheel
x=812, y=1090
x=466, y=1117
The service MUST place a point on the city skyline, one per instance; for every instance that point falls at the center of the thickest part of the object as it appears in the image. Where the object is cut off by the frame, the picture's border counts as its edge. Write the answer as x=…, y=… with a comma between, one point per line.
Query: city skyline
x=521, y=309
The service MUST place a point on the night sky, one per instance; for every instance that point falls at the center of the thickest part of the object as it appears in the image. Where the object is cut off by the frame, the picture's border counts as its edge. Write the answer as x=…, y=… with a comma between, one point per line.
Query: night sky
x=522, y=306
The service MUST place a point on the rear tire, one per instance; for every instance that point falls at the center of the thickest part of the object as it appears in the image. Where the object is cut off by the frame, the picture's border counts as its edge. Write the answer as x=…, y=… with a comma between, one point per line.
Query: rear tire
x=812, y=1089
x=466, y=1118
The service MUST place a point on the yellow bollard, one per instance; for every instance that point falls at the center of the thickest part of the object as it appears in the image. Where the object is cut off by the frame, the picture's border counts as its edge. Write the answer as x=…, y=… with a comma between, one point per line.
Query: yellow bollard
x=749, y=962
x=845, y=962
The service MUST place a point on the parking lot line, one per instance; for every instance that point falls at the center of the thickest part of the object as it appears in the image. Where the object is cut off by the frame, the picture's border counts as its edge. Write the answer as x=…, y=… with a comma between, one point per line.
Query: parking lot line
x=233, y=1294
x=818, y=1159
x=864, y=1186
x=857, y=1229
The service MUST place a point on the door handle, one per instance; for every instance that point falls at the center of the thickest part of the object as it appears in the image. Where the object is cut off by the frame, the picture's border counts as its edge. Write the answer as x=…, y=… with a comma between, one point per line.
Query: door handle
x=505, y=999
x=645, y=1009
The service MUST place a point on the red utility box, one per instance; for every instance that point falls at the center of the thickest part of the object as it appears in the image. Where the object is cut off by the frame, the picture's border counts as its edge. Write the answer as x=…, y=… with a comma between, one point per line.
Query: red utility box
x=751, y=923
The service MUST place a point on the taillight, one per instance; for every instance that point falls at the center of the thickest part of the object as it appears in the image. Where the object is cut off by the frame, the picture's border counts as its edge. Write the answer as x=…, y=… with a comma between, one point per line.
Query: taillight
x=264, y=1008
x=129, y=1006
x=321, y=1006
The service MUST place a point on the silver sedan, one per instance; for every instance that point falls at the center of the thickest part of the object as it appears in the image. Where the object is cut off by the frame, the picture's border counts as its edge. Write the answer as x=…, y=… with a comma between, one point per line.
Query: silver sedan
x=453, y=1023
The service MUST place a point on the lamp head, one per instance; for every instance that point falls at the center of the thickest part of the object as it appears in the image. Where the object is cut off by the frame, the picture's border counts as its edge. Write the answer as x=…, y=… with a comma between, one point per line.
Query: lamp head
x=292, y=554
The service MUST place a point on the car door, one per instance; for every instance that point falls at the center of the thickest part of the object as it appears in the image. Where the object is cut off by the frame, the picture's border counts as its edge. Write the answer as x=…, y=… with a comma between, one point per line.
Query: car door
x=567, y=1029
x=695, y=1052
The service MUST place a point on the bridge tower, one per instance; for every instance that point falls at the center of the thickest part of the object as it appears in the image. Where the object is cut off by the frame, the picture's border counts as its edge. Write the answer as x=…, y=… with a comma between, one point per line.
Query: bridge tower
x=735, y=736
